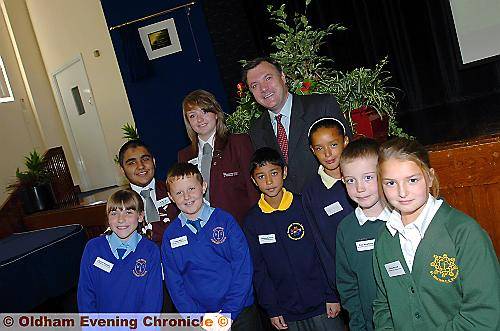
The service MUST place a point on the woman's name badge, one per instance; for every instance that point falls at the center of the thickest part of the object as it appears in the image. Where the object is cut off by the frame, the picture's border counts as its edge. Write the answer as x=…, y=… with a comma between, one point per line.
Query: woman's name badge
x=394, y=269
x=333, y=208
x=103, y=264
x=178, y=242
x=267, y=238
x=365, y=245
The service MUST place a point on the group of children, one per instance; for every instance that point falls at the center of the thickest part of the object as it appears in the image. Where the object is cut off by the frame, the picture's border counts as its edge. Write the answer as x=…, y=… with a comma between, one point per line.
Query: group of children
x=368, y=233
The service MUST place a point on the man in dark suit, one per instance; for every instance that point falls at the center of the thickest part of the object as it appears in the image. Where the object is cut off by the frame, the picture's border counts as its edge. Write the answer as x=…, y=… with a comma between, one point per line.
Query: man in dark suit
x=138, y=165
x=285, y=125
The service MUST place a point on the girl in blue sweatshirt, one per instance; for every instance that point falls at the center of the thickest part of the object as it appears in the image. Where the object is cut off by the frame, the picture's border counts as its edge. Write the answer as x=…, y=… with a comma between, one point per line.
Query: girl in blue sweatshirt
x=120, y=272
x=325, y=199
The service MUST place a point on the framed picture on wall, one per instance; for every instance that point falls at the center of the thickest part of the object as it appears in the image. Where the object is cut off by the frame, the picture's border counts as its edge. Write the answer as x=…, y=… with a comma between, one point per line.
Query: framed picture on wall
x=160, y=39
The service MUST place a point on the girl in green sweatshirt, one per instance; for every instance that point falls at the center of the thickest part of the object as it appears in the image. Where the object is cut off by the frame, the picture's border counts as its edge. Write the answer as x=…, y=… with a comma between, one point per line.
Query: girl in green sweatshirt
x=435, y=267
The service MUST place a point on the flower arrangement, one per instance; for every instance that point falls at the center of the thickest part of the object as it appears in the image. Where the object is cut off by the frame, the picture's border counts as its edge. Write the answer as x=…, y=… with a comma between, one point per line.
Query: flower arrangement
x=297, y=50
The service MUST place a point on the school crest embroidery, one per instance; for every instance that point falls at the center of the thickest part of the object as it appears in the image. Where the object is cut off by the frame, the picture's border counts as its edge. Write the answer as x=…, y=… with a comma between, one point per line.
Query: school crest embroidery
x=445, y=269
x=218, y=236
x=140, y=268
x=295, y=231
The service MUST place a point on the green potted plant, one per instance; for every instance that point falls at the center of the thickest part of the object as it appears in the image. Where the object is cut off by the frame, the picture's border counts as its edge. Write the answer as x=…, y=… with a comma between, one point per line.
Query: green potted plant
x=362, y=90
x=129, y=133
x=33, y=185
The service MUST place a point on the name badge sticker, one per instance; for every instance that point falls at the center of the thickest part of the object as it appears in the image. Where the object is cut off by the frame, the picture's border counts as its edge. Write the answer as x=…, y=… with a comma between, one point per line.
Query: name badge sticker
x=267, y=238
x=194, y=161
x=103, y=264
x=365, y=245
x=178, y=242
x=163, y=202
x=394, y=269
x=333, y=208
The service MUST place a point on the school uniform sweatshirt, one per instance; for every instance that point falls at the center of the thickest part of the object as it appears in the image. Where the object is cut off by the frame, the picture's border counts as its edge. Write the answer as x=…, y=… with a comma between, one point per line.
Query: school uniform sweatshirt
x=288, y=277
x=325, y=208
x=454, y=283
x=208, y=271
x=133, y=285
x=355, y=279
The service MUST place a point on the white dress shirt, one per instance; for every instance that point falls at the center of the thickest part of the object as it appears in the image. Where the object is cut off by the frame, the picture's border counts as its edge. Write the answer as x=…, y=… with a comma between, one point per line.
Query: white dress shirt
x=286, y=113
x=362, y=218
x=201, y=143
x=411, y=234
x=152, y=193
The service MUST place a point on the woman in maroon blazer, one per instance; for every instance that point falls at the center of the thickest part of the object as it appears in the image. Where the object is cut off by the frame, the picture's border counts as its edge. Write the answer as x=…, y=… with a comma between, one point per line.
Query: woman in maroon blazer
x=221, y=156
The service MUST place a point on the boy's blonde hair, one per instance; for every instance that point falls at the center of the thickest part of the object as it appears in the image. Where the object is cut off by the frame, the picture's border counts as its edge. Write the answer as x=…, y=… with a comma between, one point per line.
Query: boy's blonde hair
x=127, y=199
x=358, y=149
x=181, y=170
x=407, y=150
x=205, y=101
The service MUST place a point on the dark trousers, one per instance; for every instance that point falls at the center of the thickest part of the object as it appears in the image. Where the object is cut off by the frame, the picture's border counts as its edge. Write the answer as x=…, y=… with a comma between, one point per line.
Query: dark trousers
x=317, y=323
x=168, y=305
x=248, y=320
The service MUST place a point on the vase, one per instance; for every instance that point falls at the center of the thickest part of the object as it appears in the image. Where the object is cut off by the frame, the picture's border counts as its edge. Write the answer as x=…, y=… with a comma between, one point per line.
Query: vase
x=37, y=198
x=368, y=123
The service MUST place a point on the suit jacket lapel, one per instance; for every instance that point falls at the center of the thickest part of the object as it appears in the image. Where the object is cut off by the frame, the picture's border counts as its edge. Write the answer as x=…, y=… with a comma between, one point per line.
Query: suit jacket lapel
x=219, y=145
x=267, y=132
x=160, y=189
x=297, y=125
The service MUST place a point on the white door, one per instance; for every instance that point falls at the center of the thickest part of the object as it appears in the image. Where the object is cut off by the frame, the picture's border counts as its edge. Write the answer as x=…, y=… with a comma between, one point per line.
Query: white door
x=82, y=126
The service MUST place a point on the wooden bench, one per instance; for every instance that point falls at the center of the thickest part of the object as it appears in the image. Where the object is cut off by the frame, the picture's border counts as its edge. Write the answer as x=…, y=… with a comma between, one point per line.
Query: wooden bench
x=469, y=177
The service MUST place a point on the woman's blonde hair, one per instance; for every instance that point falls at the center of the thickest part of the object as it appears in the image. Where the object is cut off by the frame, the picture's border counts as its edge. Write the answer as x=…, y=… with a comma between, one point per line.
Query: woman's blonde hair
x=205, y=101
x=407, y=150
x=127, y=199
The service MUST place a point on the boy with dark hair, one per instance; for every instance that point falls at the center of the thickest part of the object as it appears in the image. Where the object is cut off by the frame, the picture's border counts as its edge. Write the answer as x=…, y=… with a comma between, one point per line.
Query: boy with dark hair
x=138, y=165
x=356, y=233
x=208, y=268
x=288, y=278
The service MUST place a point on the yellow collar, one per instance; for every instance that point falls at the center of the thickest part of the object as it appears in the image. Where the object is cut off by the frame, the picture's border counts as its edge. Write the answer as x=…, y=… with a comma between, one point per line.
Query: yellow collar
x=327, y=180
x=285, y=202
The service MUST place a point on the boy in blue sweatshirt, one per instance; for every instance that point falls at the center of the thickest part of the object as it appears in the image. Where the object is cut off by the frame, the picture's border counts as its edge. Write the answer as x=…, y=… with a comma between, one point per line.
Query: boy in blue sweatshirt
x=207, y=264
x=121, y=272
x=356, y=234
x=288, y=277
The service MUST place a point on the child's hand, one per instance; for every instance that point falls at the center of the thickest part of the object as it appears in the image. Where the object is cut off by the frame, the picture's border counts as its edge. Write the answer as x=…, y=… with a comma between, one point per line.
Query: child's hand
x=332, y=309
x=279, y=322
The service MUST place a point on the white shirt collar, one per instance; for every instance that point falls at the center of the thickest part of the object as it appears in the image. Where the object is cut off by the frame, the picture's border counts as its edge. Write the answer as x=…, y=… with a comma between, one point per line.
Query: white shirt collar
x=210, y=140
x=138, y=189
x=286, y=110
x=362, y=218
x=395, y=223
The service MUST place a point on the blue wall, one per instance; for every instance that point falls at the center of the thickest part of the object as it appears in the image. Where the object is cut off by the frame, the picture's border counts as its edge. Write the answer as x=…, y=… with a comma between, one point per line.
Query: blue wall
x=156, y=88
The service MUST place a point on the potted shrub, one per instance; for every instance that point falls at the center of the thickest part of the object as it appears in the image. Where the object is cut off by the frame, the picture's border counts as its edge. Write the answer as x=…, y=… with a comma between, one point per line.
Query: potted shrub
x=33, y=185
x=361, y=93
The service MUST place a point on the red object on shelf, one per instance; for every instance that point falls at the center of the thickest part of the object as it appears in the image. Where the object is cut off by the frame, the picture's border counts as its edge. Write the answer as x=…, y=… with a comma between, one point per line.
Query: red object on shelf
x=367, y=123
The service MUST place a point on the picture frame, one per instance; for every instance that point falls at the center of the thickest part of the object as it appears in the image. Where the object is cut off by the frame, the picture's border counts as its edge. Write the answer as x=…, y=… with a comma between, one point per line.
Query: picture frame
x=5, y=88
x=160, y=39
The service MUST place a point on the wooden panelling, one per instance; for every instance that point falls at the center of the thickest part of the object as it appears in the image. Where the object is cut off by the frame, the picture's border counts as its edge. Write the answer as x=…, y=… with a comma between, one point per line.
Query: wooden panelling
x=469, y=177
x=93, y=218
